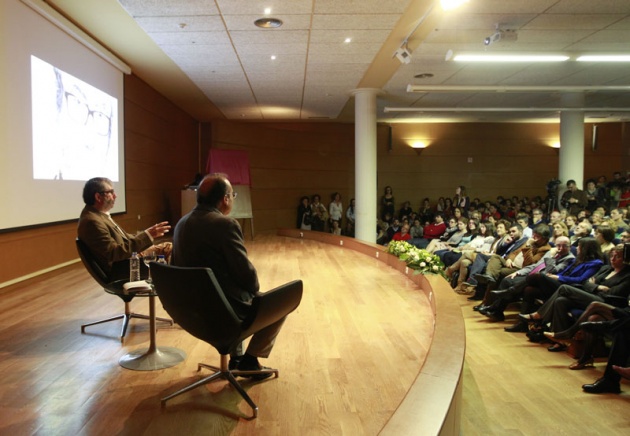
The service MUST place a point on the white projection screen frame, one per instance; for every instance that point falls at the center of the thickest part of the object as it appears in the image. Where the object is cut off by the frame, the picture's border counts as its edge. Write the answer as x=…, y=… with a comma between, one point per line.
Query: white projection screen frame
x=61, y=123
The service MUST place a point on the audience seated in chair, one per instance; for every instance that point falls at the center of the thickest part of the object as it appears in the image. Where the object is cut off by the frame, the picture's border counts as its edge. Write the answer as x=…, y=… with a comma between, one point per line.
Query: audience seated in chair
x=511, y=287
x=542, y=286
x=609, y=285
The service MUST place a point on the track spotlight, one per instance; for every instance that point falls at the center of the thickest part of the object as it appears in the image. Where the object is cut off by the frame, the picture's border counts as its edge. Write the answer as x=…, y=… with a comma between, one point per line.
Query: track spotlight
x=500, y=35
x=403, y=54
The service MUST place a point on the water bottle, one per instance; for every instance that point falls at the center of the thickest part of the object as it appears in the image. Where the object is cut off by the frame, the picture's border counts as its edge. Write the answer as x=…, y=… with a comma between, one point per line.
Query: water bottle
x=134, y=267
x=161, y=259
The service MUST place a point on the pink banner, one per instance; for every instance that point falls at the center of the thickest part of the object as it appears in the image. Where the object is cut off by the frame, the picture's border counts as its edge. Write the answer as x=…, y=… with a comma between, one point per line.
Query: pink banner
x=234, y=163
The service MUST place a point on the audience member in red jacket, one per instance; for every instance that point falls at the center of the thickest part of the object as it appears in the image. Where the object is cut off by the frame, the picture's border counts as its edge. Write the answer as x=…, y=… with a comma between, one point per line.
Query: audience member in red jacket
x=435, y=229
x=403, y=234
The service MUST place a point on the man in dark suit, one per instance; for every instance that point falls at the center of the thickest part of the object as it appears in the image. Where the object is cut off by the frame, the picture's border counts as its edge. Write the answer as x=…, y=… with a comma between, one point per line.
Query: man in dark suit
x=108, y=243
x=207, y=237
x=619, y=352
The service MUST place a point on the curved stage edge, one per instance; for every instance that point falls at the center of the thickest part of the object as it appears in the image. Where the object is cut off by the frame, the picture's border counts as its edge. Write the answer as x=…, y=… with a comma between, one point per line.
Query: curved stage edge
x=432, y=405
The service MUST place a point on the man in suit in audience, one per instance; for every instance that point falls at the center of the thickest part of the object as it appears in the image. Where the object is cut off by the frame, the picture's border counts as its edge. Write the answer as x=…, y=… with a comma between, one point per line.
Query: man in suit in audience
x=208, y=237
x=582, y=230
x=499, y=267
x=108, y=243
x=574, y=199
x=511, y=287
x=514, y=240
x=619, y=352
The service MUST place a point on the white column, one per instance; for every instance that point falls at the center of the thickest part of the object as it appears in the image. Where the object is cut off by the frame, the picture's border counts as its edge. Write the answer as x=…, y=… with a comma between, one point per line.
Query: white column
x=571, y=162
x=365, y=163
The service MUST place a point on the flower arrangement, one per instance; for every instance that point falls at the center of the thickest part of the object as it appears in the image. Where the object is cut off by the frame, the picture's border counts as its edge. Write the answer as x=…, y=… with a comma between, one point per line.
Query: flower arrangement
x=418, y=259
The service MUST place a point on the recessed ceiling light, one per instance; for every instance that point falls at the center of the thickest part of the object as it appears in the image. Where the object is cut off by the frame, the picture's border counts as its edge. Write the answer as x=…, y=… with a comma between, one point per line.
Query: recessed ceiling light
x=267, y=11
x=273, y=57
x=347, y=40
x=423, y=76
x=268, y=23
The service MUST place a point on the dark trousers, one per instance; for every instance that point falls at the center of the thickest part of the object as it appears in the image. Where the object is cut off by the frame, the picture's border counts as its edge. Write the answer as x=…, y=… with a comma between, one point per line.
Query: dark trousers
x=620, y=351
x=537, y=287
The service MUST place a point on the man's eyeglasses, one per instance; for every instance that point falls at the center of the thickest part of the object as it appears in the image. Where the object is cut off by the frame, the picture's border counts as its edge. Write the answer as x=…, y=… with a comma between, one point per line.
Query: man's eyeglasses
x=79, y=111
x=231, y=194
x=111, y=191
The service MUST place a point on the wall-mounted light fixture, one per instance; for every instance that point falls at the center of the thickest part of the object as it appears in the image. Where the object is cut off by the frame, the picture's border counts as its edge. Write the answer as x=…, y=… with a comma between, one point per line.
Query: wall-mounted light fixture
x=418, y=145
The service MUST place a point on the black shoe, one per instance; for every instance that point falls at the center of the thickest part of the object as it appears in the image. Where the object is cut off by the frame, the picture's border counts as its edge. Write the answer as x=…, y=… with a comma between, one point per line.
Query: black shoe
x=484, y=310
x=599, y=327
x=484, y=278
x=250, y=363
x=557, y=347
x=479, y=307
x=495, y=315
x=536, y=336
x=519, y=327
x=602, y=386
x=234, y=361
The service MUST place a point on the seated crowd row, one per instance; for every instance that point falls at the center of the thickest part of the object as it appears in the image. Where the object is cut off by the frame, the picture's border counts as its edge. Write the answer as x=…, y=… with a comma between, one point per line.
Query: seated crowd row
x=566, y=270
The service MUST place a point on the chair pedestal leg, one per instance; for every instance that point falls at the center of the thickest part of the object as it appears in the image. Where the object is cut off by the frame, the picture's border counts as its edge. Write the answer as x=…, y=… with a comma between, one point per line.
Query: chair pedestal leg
x=224, y=373
x=126, y=317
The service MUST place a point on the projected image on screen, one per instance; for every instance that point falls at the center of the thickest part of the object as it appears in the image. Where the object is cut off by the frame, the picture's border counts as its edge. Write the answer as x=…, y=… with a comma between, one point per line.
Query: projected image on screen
x=75, y=127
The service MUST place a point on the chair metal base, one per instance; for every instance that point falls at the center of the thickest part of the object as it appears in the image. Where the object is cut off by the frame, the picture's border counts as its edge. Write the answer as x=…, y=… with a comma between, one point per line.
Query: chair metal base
x=149, y=359
x=224, y=373
x=126, y=317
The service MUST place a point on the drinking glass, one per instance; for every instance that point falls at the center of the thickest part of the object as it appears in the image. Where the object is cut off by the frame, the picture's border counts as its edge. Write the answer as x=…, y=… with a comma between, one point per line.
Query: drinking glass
x=148, y=257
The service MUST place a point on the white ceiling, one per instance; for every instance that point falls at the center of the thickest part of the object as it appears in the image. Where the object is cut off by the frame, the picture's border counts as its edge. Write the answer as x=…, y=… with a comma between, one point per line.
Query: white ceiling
x=209, y=58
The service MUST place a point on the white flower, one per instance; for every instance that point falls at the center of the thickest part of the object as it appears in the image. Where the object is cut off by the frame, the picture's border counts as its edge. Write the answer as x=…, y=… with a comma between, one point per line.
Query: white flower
x=435, y=267
x=423, y=264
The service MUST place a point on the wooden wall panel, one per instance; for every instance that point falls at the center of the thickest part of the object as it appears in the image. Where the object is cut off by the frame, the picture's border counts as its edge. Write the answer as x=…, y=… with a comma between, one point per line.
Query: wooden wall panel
x=166, y=147
x=161, y=156
x=290, y=160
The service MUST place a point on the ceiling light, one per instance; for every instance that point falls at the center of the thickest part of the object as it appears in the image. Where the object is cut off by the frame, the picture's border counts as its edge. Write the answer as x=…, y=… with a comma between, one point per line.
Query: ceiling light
x=267, y=11
x=347, y=40
x=448, y=5
x=273, y=57
x=604, y=58
x=484, y=57
x=268, y=23
x=423, y=76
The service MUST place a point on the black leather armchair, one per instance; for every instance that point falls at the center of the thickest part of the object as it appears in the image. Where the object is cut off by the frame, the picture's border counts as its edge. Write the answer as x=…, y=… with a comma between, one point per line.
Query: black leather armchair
x=193, y=297
x=111, y=287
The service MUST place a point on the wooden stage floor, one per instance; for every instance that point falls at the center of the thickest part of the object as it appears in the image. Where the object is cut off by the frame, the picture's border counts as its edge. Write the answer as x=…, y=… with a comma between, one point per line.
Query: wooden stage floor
x=346, y=357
